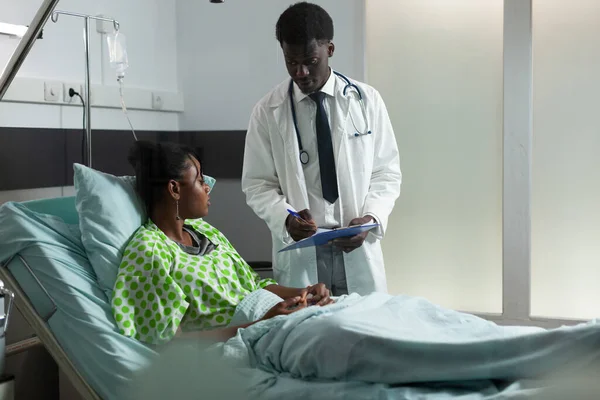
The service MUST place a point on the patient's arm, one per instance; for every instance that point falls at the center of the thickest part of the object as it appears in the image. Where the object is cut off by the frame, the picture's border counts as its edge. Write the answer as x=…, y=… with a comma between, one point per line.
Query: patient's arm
x=224, y=334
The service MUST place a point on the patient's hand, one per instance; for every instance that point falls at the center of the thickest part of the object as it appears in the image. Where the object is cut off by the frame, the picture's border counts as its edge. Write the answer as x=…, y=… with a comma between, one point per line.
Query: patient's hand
x=301, y=229
x=352, y=243
x=286, y=307
x=319, y=295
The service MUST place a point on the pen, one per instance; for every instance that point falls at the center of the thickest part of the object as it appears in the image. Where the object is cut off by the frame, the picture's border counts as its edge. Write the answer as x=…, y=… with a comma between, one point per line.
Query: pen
x=295, y=214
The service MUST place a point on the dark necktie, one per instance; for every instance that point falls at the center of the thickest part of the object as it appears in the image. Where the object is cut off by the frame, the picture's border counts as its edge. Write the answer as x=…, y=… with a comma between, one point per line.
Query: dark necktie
x=325, y=144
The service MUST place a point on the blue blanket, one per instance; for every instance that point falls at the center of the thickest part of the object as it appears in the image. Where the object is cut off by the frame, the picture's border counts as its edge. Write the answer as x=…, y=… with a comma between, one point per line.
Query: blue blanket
x=393, y=342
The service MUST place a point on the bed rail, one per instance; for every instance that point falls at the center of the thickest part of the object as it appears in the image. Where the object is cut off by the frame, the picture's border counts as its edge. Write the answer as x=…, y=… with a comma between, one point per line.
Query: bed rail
x=47, y=317
x=45, y=335
x=22, y=346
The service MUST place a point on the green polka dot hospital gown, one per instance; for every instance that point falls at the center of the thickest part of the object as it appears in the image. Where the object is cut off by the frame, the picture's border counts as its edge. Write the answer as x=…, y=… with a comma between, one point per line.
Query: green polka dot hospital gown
x=162, y=285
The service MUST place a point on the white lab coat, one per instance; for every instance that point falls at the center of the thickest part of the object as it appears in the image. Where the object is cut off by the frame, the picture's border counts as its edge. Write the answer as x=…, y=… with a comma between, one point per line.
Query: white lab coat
x=368, y=173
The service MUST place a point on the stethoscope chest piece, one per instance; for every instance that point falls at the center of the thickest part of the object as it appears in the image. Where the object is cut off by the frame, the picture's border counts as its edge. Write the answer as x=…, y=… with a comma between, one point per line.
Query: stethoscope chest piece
x=304, y=157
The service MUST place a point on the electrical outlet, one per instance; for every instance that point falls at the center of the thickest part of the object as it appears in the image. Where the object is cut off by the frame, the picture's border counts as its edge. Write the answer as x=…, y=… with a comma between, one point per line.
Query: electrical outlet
x=53, y=91
x=157, y=101
x=75, y=99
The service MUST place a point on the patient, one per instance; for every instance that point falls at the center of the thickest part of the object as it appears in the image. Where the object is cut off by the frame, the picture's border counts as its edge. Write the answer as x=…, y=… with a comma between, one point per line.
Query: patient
x=179, y=275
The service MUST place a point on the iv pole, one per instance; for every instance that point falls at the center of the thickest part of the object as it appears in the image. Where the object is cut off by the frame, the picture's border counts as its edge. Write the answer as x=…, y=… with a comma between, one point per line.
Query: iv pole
x=88, y=106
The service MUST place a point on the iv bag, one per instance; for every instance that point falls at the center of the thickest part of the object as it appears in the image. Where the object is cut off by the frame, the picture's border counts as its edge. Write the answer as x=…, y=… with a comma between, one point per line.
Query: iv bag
x=117, y=52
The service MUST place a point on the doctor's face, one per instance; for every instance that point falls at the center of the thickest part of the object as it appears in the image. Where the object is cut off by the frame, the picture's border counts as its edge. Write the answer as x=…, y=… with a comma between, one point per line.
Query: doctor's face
x=308, y=64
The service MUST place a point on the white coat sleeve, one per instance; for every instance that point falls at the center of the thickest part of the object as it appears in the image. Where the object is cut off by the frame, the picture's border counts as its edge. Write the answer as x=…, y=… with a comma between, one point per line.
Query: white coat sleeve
x=260, y=182
x=386, y=177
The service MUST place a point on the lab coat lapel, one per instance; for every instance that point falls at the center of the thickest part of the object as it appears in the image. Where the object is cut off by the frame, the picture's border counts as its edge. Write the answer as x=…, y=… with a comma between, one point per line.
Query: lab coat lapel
x=286, y=130
x=296, y=196
x=282, y=114
x=339, y=120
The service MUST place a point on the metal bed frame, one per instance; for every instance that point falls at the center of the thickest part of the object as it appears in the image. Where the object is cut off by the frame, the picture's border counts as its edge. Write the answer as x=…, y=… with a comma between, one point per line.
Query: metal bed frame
x=39, y=324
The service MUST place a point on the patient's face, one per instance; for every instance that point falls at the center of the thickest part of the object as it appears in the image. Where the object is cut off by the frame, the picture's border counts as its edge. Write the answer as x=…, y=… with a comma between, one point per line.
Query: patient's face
x=194, y=201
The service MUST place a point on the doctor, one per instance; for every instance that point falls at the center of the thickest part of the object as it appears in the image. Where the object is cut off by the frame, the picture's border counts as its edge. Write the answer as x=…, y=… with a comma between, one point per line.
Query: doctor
x=312, y=148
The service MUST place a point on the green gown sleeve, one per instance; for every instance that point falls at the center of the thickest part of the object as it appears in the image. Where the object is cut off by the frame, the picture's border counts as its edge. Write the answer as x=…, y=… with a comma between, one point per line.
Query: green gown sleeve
x=261, y=283
x=147, y=303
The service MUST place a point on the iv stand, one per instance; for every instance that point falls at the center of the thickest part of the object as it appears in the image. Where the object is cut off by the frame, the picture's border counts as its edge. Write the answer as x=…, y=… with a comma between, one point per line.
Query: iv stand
x=88, y=106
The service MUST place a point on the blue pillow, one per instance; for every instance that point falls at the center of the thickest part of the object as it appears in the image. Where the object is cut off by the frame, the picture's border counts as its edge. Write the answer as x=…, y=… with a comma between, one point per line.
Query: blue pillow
x=110, y=212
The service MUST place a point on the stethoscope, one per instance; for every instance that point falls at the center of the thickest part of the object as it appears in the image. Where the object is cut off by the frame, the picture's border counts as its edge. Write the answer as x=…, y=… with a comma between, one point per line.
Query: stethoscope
x=357, y=94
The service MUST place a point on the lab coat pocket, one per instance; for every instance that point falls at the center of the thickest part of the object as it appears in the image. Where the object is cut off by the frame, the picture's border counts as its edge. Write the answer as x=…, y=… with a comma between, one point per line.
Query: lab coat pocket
x=360, y=152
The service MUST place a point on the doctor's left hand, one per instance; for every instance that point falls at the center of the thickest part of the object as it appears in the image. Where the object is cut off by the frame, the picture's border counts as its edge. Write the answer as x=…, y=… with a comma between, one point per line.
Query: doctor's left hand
x=349, y=244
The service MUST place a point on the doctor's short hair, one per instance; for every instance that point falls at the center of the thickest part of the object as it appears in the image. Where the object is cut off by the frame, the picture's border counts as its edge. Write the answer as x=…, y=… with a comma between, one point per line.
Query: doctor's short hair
x=155, y=164
x=303, y=22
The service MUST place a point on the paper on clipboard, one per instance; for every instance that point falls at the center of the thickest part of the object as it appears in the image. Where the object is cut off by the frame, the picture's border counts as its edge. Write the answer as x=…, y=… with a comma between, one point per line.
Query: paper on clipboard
x=323, y=236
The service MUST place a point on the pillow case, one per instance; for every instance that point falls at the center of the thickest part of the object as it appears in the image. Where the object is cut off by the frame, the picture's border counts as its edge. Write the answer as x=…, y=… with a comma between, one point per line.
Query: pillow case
x=110, y=212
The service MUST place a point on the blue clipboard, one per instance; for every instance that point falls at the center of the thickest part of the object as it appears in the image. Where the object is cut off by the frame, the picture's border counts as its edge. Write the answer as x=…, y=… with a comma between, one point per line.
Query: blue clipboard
x=326, y=235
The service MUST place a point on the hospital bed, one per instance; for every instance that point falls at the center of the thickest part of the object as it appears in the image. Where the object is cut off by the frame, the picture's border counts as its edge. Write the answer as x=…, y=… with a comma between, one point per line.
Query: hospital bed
x=59, y=292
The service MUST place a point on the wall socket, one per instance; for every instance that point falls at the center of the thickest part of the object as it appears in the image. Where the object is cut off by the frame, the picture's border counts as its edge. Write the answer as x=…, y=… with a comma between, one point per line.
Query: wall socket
x=53, y=91
x=157, y=101
x=75, y=99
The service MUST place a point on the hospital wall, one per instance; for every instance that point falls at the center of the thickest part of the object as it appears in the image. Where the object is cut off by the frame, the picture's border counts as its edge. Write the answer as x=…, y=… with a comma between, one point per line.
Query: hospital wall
x=229, y=57
x=566, y=163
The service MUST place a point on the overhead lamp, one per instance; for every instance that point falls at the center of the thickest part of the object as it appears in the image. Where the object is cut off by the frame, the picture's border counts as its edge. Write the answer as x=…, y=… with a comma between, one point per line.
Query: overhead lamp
x=13, y=30
x=33, y=32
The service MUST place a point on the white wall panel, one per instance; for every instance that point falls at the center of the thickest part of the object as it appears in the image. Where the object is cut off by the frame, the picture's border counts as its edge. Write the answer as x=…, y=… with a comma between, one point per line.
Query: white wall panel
x=439, y=67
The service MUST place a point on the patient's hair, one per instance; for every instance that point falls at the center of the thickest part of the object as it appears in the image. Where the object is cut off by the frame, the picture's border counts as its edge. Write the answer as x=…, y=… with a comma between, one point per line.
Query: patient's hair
x=155, y=165
x=303, y=22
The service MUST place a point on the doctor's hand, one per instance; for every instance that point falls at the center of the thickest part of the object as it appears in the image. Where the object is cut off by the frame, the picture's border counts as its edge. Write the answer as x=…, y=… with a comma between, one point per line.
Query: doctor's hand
x=349, y=244
x=301, y=228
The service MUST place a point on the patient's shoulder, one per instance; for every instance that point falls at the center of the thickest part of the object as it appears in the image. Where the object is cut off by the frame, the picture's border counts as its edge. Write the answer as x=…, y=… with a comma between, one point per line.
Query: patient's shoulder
x=148, y=232
x=148, y=237
x=146, y=244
